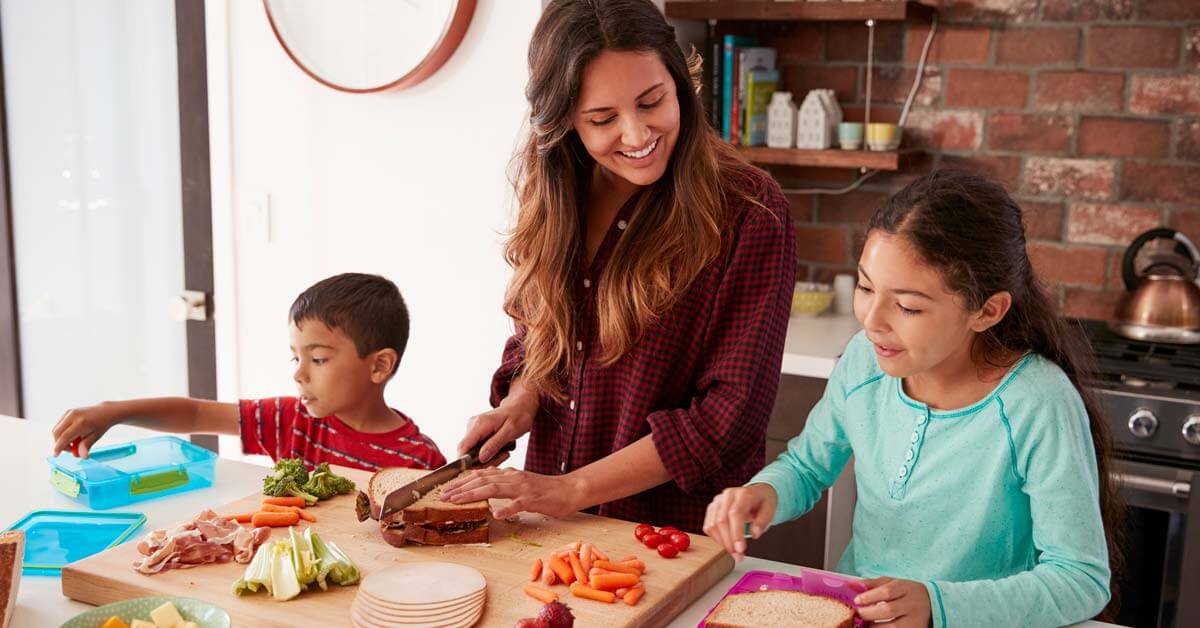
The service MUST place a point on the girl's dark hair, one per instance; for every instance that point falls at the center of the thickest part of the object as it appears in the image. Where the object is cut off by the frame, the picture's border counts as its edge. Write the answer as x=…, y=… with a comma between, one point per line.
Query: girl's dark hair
x=971, y=230
x=367, y=308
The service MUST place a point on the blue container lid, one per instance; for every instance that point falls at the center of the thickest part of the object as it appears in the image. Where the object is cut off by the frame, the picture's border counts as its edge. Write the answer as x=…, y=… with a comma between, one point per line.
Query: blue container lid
x=54, y=538
x=140, y=458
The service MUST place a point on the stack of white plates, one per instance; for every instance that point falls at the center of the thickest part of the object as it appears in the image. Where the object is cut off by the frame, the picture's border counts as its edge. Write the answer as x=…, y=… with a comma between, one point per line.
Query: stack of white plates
x=420, y=594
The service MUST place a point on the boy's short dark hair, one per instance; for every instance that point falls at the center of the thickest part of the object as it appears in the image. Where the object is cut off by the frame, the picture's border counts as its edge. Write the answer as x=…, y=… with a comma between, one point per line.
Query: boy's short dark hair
x=367, y=308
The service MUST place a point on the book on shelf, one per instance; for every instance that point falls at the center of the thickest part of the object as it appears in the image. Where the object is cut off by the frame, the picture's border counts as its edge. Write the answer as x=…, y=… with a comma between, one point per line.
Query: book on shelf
x=760, y=84
x=730, y=44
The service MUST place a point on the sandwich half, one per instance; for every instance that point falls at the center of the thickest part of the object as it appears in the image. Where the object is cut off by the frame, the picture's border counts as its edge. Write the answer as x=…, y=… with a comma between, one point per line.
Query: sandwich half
x=429, y=521
x=780, y=608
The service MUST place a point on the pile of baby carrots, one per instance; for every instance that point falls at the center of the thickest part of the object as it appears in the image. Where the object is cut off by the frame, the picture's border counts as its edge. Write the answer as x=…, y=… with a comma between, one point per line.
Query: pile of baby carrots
x=589, y=574
x=276, y=512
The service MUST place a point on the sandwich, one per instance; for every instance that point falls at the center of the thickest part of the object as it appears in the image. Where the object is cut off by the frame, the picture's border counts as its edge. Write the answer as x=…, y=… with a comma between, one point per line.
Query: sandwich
x=780, y=608
x=428, y=521
x=12, y=553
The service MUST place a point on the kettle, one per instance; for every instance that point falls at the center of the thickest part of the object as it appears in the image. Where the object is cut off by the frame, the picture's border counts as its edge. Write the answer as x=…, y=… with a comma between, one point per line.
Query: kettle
x=1162, y=303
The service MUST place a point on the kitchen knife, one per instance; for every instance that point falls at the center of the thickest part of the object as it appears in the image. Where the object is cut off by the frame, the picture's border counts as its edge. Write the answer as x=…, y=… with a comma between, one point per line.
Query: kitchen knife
x=408, y=494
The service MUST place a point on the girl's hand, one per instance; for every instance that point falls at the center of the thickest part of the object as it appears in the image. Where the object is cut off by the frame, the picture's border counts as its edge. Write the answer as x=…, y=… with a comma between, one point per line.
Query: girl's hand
x=80, y=428
x=512, y=420
x=730, y=511
x=552, y=495
x=904, y=602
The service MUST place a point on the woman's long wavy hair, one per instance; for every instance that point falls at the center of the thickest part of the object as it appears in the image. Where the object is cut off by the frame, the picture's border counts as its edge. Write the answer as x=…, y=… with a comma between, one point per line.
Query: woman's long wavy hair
x=971, y=230
x=679, y=221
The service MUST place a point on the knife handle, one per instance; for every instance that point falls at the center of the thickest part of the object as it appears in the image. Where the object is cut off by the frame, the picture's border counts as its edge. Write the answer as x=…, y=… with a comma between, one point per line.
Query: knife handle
x=472, y=455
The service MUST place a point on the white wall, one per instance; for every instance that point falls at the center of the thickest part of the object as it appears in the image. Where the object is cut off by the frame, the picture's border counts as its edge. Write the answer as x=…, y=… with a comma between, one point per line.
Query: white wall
x=409, y=184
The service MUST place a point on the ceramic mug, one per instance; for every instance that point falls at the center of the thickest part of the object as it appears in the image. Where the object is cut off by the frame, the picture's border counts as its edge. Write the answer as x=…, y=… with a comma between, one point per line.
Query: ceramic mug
x=850, y=135
x=881, y=135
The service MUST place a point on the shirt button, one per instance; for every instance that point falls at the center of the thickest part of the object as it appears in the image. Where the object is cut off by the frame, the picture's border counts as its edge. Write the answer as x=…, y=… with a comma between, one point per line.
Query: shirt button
x=587, y=283
x=621, y=224
x=915, y=436
x=921, y=420
x=571, y=405
x=579, y=345
x=903, y=471
x=562, y=468
x=908, y=455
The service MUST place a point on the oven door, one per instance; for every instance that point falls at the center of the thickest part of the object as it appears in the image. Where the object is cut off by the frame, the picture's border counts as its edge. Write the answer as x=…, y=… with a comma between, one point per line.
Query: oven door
x=1161, y=540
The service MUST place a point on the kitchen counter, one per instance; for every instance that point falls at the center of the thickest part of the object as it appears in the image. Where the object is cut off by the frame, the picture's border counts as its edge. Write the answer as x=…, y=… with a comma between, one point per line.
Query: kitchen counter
x=40, y=602
x=814, y=343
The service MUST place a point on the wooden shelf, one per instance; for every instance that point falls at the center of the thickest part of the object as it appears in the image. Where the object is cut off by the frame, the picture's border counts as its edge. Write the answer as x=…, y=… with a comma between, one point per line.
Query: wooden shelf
x=824, y=10
x=832, y=158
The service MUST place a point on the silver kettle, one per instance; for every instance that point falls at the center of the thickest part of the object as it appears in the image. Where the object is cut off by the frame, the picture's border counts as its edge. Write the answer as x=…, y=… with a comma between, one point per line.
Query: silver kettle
x=1162, y=302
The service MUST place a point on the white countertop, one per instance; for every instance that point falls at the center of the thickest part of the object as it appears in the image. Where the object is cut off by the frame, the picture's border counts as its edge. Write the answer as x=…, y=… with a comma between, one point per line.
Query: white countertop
x=814, y=343
x=24, y=446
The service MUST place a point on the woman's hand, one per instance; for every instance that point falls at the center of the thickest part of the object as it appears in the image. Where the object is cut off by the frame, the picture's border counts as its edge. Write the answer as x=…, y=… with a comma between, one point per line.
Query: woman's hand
x=80, y=428
x=510, y=421
x=904, y=602
x=730, y=511
x=552, y=495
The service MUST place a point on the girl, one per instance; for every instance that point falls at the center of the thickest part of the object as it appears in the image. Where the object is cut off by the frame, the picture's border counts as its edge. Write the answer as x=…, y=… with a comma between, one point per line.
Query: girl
x=980, y=461
x=652, y=276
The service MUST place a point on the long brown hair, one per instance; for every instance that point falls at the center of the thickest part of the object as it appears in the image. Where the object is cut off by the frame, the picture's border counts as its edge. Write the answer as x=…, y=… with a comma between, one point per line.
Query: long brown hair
x=680, y=219
x=971, y=230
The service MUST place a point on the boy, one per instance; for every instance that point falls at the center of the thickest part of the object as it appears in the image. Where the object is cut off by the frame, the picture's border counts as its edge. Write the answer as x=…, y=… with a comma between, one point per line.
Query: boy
x=348, y=333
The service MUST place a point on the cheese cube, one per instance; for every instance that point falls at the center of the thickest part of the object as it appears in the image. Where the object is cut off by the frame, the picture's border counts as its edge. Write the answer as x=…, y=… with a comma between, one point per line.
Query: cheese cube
x=166, y=616
x=139, y=623
x=188, y=624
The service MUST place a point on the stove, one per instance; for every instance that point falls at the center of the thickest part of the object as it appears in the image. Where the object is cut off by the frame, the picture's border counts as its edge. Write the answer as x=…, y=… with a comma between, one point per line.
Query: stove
x=1149, y=397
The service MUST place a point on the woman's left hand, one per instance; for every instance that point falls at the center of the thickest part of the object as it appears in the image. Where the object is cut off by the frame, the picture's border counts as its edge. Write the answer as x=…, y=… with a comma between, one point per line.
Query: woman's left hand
x=552, y=495
x=904, y=602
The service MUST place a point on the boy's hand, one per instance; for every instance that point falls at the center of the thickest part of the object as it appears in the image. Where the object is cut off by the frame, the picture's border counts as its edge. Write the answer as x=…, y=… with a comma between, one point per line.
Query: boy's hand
x=727, y=516
x=904, y=602
x=512, y=420
x=80, y=428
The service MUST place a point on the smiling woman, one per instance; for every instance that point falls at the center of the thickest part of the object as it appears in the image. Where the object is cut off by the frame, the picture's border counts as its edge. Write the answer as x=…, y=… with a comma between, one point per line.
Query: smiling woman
x=653, y=269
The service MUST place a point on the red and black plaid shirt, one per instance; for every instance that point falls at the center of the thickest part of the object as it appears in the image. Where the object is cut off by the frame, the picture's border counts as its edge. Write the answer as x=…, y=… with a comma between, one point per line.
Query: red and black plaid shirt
x=702, y=380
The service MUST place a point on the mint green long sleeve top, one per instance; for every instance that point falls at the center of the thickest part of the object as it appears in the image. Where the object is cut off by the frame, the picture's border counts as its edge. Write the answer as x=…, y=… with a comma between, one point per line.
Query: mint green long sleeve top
x=994, y=507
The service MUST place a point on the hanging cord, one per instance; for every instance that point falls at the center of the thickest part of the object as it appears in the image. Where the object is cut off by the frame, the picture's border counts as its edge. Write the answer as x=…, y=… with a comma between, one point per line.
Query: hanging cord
x=912, y=94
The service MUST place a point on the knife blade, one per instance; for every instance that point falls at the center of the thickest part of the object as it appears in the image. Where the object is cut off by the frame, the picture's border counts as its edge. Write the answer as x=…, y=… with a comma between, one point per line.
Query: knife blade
x=410, y=493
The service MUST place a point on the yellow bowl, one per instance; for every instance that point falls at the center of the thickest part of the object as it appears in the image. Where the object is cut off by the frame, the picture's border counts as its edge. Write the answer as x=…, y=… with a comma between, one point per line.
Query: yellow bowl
x=811, y=299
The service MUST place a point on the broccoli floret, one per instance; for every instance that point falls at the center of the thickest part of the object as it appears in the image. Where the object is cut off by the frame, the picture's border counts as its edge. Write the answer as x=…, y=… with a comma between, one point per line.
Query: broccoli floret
x=288, y=480
x=293, y=468
x=325, y=484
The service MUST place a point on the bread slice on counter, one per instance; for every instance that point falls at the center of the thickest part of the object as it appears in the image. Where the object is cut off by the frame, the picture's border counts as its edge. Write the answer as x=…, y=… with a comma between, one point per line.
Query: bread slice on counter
x=12, y=555
x=756, y=609
x=429, y=521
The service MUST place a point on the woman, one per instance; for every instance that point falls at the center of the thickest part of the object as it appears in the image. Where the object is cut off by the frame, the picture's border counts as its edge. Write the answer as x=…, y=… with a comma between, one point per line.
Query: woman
x=653, y=271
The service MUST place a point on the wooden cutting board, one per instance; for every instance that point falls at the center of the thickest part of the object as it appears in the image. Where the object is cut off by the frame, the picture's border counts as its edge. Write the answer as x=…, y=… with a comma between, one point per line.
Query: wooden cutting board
x=671, y=584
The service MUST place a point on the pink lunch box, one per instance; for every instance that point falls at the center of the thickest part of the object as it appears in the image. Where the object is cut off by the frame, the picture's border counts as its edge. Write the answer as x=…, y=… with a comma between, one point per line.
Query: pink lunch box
x=812, y=581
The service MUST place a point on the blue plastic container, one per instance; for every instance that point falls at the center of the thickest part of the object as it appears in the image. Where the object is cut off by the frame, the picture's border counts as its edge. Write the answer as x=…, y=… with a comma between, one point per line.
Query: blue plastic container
x=54, y=538
x=123, y=474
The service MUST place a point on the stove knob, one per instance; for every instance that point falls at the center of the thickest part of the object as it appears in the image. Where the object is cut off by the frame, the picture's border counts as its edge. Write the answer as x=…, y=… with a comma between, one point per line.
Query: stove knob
x=1191, y=430
x=1143, y=424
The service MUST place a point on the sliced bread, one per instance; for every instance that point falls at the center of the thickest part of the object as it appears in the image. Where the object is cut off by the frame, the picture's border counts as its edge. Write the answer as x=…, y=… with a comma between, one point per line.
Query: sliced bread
x=12, y=555
x=429, y=508
x=780, y=608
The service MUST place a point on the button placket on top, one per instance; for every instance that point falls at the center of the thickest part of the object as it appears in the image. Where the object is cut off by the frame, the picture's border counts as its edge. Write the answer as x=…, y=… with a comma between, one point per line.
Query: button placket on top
x=899, y=483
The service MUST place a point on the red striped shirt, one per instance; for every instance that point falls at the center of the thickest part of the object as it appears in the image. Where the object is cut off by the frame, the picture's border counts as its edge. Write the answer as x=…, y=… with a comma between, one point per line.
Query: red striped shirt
x=281, y=427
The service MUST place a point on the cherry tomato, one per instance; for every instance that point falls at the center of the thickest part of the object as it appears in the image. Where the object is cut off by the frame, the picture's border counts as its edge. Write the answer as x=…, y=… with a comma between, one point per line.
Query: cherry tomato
x=681, y=540
x=75, y=447
x=653, y=540
x=667, y=550
x=668, y=530
x=642, y=530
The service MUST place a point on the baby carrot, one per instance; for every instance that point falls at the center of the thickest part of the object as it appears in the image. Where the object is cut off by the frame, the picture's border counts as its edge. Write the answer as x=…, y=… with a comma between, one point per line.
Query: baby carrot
x=284, y=501
x=633, y=595
x=586, y=592
x=242, y=518
x=274, y=519
x=622, y=567
x=585, y=556
x=540, y=594
x=548, y=577
x=627, y=559
x=613, y=581
x=597, y=554
x=576, y=567
x=535, y=570
x=621, y=592
x=304, y=514
x=562, y=569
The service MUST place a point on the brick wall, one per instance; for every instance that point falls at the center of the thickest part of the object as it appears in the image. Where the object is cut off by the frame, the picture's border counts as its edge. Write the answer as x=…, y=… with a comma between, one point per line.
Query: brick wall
x=1087, y=111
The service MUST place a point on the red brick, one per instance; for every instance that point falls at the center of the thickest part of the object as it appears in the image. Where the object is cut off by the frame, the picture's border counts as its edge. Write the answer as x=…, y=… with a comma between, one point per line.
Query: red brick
x=1074, y=178
x=1079, y=91
x=823, y=244
x=1133, y=47
x=797, y=41
x=1191, y=46
x=1094, y=304
x=990, y=10
x=1087, y=10
x=948, y=130
x=1186, y=221
x=1189, y=140
x=1037, y=46
x=1160, y=182
x=857, y=207
x=1029, y=133
x=847, y=41
x=951, y=44
x=1096, y=223
x=1003, y=169
x=916, y=165
x=1165, y=94
x=1169, y=10
x=987, y=88
x=891, y=84
x=1043, y=221
x=1068, y=265
x=799, y=79
x=1124, y=137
